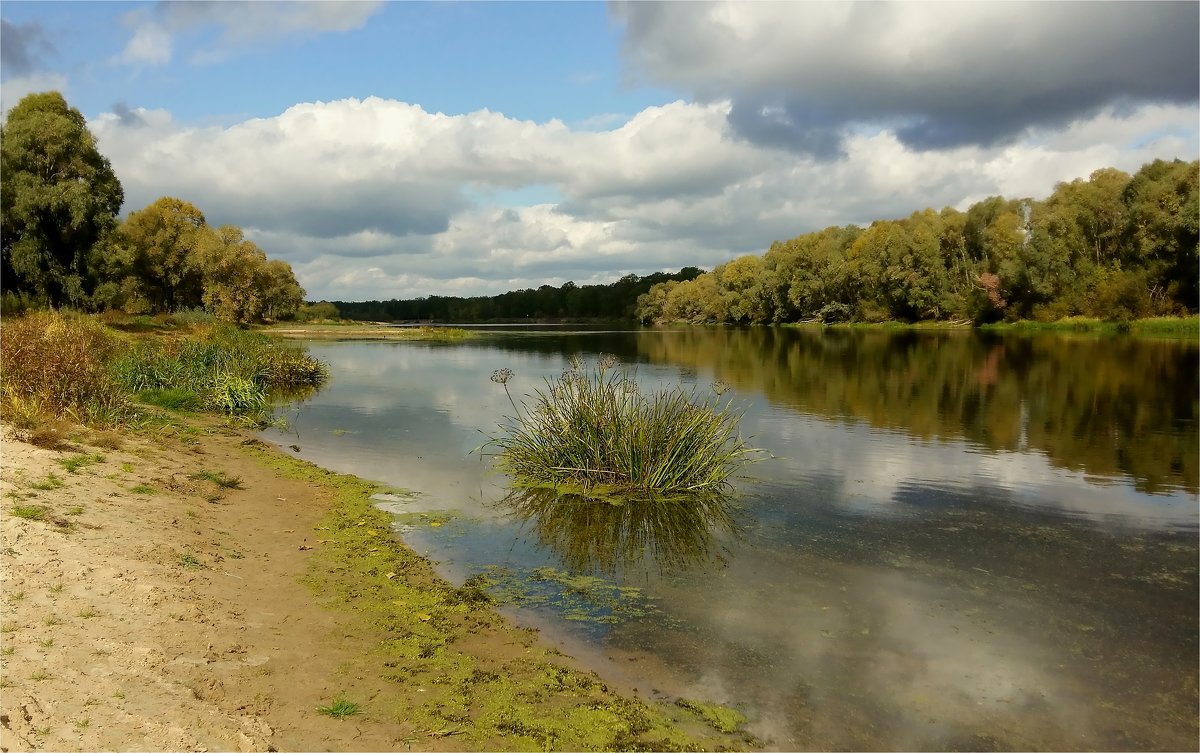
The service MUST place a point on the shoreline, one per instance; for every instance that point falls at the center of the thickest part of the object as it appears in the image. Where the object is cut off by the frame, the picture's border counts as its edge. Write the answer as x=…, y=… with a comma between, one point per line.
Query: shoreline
x=200, y=589
x=1175, y=328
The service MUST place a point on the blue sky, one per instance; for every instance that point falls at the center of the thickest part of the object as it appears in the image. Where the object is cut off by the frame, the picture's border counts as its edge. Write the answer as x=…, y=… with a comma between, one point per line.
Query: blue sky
x=403, y=149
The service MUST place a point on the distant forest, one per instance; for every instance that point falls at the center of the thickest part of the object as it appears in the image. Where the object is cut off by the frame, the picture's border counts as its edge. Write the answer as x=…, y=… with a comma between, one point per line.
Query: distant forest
x=616, y=300
x=1114, y=246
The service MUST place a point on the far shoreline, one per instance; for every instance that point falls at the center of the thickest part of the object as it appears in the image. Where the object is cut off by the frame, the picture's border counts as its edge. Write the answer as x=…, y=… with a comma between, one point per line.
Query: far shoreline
x=1173, y=327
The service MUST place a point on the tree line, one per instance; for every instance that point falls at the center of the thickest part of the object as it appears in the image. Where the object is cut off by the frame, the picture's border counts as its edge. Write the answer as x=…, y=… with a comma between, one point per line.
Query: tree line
x=1113, y=246
x=615, y=300
x=62, y=245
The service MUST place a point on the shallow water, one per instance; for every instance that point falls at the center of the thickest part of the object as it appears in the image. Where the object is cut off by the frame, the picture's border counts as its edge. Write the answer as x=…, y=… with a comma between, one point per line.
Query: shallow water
x=960, y=542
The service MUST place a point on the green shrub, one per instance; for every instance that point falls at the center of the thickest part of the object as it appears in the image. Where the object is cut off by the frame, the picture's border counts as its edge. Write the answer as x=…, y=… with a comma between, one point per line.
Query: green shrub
x=596, y=432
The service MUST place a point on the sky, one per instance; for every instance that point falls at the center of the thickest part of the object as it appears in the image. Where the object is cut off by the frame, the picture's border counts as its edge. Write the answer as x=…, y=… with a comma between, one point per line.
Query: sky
x=406, y=149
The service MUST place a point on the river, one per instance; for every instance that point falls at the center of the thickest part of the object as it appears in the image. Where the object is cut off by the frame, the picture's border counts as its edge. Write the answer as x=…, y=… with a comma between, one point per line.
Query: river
x=954, y=540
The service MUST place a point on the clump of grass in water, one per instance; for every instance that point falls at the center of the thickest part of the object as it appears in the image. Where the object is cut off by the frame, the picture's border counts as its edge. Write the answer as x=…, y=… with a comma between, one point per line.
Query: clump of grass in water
x=595, y=431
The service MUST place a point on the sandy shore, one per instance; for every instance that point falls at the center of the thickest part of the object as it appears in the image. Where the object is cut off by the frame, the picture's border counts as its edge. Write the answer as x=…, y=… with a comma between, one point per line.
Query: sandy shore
x=146, y=607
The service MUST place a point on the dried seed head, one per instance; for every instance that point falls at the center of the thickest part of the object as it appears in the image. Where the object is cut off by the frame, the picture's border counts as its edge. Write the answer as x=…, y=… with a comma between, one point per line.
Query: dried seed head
x=501, y=376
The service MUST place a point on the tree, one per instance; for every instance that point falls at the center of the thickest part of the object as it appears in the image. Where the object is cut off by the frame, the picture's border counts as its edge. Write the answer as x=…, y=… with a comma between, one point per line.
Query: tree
x=235, y=276
x=282, y=295
x=60, y=199
x=158, y=255
x=1164, y=228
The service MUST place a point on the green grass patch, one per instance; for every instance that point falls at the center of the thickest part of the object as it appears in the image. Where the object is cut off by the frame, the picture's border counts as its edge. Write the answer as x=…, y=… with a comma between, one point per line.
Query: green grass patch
x=62, y=366
x=339, y=707
x=30, y=512
x=49, y=483
x=220, y=478
x=75, y=462
x=595, y=432
x=1167, y=327
x=172, y=398
x=190, y=561
x=143, y=489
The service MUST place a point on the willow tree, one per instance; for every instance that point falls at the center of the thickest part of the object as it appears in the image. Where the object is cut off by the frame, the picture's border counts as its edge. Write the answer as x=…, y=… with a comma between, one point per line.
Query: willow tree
x=60, y=199
x=156, y=259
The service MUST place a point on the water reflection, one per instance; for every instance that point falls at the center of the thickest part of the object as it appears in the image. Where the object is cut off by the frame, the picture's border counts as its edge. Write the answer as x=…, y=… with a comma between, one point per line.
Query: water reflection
x=591, y=536
x=1109, y=407
x=966, y=541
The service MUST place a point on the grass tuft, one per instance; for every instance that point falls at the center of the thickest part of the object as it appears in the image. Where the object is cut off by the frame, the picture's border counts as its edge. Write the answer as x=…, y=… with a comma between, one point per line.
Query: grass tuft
x=339, y=707
x=75, y=462
x=30, y=512
x=219, y=478
x=51, y=482
x=597, y=432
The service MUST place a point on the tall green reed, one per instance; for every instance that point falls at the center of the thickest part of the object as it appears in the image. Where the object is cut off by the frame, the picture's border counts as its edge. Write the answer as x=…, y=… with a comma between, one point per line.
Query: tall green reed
x=228, y=369
x=594, y=430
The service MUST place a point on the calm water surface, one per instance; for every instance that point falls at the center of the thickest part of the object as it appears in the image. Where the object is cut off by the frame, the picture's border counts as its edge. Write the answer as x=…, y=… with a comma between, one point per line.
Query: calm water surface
x=961, y=541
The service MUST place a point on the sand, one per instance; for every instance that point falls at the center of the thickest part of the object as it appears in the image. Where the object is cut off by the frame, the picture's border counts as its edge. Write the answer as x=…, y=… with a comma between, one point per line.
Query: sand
x=149, y=610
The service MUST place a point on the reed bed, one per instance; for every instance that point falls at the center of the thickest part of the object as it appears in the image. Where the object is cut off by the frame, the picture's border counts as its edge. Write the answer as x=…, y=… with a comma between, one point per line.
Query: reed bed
x=227, y=369
x=594, y=431
x=59, y=365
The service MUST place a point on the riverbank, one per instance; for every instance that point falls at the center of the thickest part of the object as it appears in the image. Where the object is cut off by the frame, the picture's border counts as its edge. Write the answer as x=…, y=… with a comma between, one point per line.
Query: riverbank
x=194, y=588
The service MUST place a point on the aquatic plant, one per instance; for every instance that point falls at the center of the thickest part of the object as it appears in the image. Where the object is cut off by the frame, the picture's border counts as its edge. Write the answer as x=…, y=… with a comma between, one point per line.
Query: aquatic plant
x=596, y=432
x=220, y=367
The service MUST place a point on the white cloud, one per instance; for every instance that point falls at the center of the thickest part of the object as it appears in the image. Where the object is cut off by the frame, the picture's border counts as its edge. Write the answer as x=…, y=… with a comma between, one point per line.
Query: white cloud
x=150, y=44
x=378, y=198
x=226, y=29
x=15, y=89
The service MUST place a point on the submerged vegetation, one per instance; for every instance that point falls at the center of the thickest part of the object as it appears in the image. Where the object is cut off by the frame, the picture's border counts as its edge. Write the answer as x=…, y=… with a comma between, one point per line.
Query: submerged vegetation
x=56, y=365
x=595, y=432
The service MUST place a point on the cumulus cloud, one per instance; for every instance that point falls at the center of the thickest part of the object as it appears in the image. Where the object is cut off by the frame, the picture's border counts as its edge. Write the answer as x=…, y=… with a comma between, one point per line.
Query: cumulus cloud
x=14, y=89
x=804, y=76
x=378, y=198
x=230, y=28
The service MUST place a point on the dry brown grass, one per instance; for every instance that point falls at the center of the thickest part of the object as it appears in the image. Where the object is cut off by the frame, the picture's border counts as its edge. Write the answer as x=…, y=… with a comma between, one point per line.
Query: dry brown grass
x=53, y=365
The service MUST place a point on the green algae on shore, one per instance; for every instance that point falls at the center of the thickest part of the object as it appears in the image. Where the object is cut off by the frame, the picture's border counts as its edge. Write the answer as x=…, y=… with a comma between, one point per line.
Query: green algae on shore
x=458, y=667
